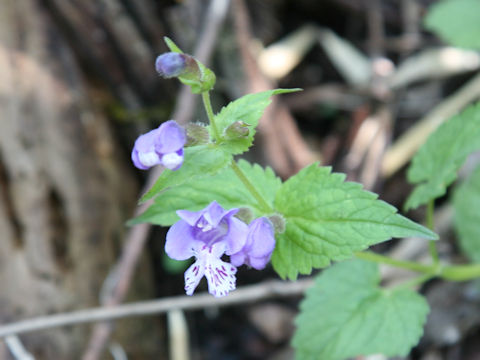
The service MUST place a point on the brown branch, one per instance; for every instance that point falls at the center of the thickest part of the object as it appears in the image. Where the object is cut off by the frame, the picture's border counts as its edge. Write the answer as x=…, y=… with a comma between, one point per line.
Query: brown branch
x=338, y=95
x=376, y=33
x=137, y=236
x=411, y=21
x=284, y=146
x=246, y=294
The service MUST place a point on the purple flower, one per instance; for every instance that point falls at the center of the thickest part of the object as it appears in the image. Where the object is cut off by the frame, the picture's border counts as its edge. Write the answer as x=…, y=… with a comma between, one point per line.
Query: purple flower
x=171, y=64
x=162, y=146
x=258, y=247
x=207, y=234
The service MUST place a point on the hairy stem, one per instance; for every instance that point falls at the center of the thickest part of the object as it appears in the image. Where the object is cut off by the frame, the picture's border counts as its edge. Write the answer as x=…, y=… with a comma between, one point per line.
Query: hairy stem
x=414, y=282
x=450, y=272
x=243, y=178
x=430, y=224
x=251, y=188
x=409, y=265
x=211, y=118
x=460, y=272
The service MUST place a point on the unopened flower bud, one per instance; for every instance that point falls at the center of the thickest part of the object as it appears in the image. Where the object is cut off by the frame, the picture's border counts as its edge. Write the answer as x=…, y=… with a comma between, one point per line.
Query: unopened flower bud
x=237, y=130
x=171, y=64
x=186, y=68
x=197, y=134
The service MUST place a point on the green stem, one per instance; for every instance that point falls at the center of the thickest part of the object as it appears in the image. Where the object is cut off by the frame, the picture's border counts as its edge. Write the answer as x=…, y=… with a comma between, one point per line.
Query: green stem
x=211, y=118
x=460, y=272
x=409, y=265
x=451, y=273
x=251, y=188
x=414, y=282
x=432, y=246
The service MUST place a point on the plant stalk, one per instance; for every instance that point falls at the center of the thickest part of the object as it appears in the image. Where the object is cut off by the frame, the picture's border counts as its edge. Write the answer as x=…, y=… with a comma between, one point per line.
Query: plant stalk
x=409, y=265
x=243, y=178
x=251, y=188
x=460, y=272
x=432, y=246
x=211, y=118
x=414, y=282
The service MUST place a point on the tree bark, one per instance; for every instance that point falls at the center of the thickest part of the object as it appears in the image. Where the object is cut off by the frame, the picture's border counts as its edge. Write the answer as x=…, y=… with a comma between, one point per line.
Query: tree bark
x=64, y=193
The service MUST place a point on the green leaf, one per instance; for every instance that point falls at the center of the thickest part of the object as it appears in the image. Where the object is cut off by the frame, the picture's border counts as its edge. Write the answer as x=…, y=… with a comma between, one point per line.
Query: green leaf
x=456, y=21
x=199, y=161
x=347, y=314
x=466, y=202
x=329, y=219
x=224, y=187
x=174, y=267
x=171, y=45
x=435, y=165
x=248, y=109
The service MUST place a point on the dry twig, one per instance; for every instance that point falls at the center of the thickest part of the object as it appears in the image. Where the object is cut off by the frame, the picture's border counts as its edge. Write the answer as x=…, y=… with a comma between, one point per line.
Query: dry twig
x=286, y=150
x=246, y=294
x=406, y=146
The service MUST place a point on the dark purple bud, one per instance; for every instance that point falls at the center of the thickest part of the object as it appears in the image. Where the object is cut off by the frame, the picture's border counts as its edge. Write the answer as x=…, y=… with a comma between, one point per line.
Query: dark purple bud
x=171, y=64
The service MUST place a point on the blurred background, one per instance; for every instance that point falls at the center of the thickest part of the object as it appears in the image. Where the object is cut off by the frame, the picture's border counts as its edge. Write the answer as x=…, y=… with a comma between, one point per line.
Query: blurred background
x=78, y=85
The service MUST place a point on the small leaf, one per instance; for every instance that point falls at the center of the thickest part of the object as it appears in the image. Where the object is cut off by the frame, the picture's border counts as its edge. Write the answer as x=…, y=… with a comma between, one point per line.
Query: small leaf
x=329, y=219
x=174, y=267
x=456, y=21
x=247, y=109
x=435, y=165
x=199, y=161
x=466, y=202
x=347, y=314
x=224, y=187
x=171, y=45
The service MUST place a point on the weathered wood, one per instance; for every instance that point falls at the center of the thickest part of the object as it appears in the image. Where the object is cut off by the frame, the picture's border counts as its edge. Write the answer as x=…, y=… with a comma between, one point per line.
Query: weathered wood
x=64, y=193
x=117, y=42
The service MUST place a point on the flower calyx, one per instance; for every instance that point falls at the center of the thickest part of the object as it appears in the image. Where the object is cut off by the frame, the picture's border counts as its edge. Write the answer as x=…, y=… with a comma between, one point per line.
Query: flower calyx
x=237, y=130
x=197, y=134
